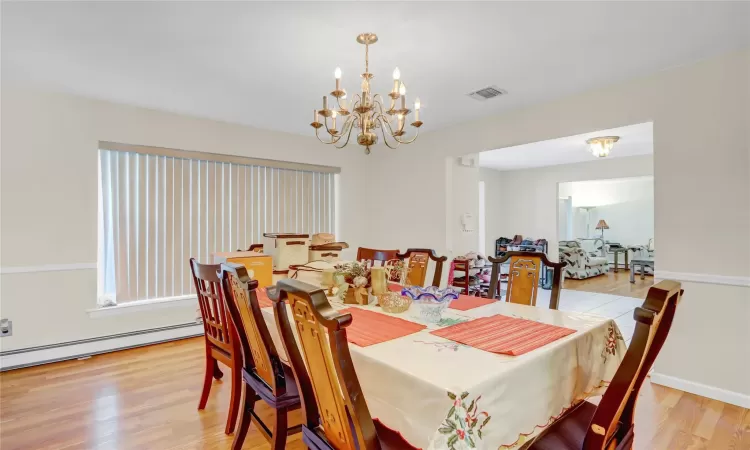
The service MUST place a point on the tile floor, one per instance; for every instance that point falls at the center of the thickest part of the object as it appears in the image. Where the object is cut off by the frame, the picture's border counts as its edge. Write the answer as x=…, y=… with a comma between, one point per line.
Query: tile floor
x=612, y=306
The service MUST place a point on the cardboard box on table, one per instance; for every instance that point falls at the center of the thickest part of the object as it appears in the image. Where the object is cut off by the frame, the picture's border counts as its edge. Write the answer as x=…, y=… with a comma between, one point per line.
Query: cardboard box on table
x=258, y=265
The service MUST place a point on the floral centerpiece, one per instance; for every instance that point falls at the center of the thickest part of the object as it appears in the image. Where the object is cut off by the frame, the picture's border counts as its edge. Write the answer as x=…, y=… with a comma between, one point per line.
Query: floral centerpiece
x=356, y=277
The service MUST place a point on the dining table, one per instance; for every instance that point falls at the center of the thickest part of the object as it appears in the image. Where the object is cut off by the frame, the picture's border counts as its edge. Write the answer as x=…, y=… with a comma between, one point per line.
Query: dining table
x=443, y=394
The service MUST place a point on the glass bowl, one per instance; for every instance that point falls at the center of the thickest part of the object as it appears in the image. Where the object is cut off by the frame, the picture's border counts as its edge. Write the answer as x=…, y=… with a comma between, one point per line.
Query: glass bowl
x=431, y=301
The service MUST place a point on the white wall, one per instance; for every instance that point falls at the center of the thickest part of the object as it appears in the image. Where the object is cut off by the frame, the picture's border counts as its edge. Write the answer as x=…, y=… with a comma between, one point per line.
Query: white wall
x=465, y=199
x=526, y=201
x=49, y=202
x=702, y=176
x=627, y=205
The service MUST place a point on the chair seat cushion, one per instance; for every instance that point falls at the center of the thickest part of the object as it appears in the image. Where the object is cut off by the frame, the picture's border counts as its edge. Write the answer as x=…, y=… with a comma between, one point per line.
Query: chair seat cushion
x=289, y=399
x=597, y=261
x=568, y=432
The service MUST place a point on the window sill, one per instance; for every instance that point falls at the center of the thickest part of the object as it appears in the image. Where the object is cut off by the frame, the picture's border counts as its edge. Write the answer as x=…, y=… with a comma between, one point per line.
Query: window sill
x=144, y=305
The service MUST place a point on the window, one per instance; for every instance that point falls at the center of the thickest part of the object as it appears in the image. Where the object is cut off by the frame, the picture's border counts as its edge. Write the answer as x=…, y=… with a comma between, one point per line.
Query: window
x=160, y=207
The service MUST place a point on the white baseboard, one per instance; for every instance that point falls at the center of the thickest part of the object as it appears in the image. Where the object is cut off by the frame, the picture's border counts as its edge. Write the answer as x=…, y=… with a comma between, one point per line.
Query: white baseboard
x=704, y=390
x=87, y=347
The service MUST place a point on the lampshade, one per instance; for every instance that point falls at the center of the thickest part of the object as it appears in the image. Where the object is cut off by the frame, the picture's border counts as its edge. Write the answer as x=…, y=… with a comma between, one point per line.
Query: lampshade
x=602, y=225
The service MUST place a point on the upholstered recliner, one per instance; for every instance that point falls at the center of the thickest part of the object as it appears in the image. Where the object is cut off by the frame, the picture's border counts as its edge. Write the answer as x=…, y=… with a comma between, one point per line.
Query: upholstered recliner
x=579, y=265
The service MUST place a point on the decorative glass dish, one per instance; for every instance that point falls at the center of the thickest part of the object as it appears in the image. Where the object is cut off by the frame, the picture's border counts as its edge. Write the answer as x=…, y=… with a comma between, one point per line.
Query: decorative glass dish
x=394, y=302
x=431, y=301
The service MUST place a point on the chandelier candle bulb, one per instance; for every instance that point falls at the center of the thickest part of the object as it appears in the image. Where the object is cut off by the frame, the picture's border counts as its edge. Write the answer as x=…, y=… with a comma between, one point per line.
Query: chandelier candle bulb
x=417, y=105
x=367, y=113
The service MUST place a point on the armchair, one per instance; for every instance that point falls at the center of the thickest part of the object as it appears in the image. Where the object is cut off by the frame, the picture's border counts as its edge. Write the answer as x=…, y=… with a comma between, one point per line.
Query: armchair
x=579, y=265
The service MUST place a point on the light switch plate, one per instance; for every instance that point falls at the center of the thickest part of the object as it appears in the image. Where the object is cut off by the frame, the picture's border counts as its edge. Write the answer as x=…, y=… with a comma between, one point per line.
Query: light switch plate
x=6, y=327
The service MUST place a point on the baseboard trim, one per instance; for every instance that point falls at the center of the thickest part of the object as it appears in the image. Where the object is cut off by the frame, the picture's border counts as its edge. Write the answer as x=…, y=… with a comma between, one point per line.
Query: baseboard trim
x=704, y=390
x=16, y=359
x=703, y=278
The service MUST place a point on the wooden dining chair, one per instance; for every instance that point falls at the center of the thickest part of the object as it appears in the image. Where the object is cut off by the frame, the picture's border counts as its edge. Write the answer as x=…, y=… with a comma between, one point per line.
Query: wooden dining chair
x=419, y=258
x=610, y=425
x=371, y=254
x=523, y=277
x=222, y=343
x=332, y=387
x=265, y=376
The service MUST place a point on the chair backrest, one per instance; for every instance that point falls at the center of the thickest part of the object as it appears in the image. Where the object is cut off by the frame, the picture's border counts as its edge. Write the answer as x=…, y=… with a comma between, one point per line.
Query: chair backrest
x=593, y=246
x=575, y=244
x=418, y=261
x=260, y=356
x=463, y=266
x=525, y=269
x=613, y=418
x=371, y=254
x=218, y=326
x=329, y=388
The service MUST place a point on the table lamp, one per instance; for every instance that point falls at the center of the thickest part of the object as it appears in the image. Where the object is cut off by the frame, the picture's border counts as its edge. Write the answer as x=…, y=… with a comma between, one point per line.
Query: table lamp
x=602, y=225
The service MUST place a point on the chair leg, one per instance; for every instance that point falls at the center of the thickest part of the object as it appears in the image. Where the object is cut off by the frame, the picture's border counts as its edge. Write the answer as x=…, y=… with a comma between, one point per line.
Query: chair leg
x=207, y=380
x=234, y=401
x=246, y=415
x=278, y=440
x=218, y=374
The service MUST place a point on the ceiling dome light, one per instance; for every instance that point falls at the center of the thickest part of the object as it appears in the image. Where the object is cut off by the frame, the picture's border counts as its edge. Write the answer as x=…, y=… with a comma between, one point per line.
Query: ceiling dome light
x=601, y=146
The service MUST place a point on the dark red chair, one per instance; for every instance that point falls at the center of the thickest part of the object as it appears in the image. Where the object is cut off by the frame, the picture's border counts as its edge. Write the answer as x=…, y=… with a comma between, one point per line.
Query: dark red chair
x=372, y=255
x=610, y=425
x=265, y=376
x=221, y=337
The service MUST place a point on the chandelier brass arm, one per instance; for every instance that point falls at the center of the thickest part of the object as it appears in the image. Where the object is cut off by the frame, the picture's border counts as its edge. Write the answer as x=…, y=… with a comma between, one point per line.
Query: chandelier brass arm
x=367, y=110
x=395, y=135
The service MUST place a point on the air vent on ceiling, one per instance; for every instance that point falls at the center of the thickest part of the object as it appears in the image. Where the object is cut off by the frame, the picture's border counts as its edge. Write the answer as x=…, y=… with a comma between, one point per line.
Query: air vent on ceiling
x=487, y=93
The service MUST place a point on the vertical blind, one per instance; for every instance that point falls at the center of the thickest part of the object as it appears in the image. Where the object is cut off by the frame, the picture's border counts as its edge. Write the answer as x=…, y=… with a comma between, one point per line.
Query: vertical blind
x=159, y=211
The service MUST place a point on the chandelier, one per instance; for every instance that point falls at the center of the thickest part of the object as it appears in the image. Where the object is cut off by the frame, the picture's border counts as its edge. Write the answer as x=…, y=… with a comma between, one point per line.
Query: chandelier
x=600, y=146
x=366, y=112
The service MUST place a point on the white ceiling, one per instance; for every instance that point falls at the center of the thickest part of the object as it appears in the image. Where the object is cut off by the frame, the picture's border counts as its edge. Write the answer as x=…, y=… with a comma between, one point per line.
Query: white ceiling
x=268, y=64
x=634, y=140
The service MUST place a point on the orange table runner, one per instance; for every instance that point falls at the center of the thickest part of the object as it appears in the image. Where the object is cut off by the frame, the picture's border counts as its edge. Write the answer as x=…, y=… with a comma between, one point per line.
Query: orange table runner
x=263, y=300
x=503, y=334
x=369, y=327
x=395, y=287
x=467, y=302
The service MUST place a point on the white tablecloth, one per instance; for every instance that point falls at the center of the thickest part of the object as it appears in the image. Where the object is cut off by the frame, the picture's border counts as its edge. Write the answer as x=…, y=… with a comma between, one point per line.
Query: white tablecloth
x=442, y=395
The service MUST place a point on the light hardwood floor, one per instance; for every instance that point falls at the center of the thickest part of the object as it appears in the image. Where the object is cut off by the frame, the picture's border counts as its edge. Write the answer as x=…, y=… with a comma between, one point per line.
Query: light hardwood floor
x=146, y=398
x=613, y=283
